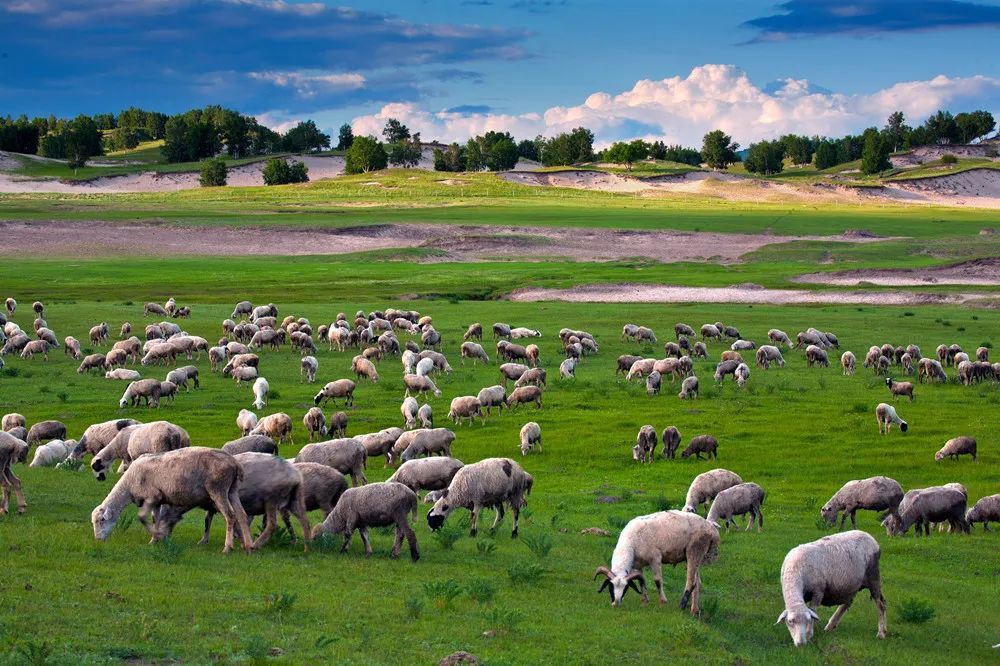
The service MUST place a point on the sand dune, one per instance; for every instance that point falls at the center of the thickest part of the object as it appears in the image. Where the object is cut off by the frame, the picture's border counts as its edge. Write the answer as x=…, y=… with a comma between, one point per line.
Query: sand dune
x=975, y=272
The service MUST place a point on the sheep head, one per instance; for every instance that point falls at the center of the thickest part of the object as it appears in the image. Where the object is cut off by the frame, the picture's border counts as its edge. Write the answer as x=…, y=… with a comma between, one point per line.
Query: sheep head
x=800, y=624
x=618, y=585
x=103, y=521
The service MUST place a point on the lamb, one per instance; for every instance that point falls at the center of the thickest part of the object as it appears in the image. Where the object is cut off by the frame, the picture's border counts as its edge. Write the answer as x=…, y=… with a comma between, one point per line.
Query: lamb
x=645, y=444
x=147, y=389
x=493, y=396
x=567, y=369
x=525, y=394
x=12, y=420
x=375, y=505
x=315, y=423
x=521, y=332
x=12, y=450
x=957, y=446
x=488, y=483
x=246, y=421
x=653, y=381
x=99, y=333
x=260, y=389
x=985, y=510
x=474, y=332
x=426, y=416
x=115, y=357
x=277, y=426
x=671, y=440
x=71, y=347
x=666, y=537
x=342, y=388
x=983, y=354
x=36, y=347
x=16, y=343
x=743, y=345
x=829, y=572
x=308, y=368
x=683, y=329
x=779, y=337
x=737, y=501
x=886, y=416
x=475, y=352
x=512, y=372
x=183, y=479
x=689, y=388
x=702, y=444
x=44, y=431
x=707, y=485
x=53, y=453
x=531, y=436
x=816, y=356
x=255, y=443
x=11, y=305
x=426, y=442
x=768, y=354
x=362, y=367
x=629, y=331
x=877, y=493
x=123, y=374
x=923, y=506
x=419, y=385
x=466, y=407
x=347, y=456
x=741, y=375
x=409, y=410
x=533, y=377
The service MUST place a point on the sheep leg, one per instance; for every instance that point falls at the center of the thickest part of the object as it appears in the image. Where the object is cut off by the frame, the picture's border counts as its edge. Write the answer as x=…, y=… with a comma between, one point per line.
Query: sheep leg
x=364, y=538
x=499, y=517
x=12, y=481
x=658, y=579
x=516, y=509
x=835, y=619
x=144, y=511
x=270, y=524
x=299, y=507
x=208, y=528
x=476, y=508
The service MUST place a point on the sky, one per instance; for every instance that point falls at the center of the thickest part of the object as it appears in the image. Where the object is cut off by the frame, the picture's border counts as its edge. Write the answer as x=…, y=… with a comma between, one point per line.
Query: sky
x=655, y=69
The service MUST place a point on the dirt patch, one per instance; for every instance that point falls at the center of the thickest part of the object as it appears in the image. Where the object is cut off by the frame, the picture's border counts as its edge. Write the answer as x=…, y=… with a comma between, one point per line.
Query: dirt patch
x=923, y=154
x=976, y=187
x=647, y=293
x=975, y=272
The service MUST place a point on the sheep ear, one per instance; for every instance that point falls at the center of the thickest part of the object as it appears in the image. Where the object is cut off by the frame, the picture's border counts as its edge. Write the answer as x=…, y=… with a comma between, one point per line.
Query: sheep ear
x=814, y=614
x=604, y=585
x=781, y=617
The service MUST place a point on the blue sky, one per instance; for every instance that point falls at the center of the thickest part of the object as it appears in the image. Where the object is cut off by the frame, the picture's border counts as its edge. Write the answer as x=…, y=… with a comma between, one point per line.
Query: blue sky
x=455, y=66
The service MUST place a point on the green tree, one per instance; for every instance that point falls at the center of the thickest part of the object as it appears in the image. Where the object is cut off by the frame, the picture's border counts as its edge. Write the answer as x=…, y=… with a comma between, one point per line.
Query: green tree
x=658, y=150
x=895, y=131
x=875, y=154
x=345, y=137
x=765, y=157
x=451, y=158
x=826, y=155
x=263, y=140
x=298, y=172
x=305, y=137
x=799, y=149
x=627, y=153
x=528, y=150
x=213, y=173
x=718, y=150
x=83, y=141
x=395, y=131
x=365, y=154
x=974, y=125
x=569, y=148
x=495, y=151
x=123, y=138
x=406, y=153
x=941, y=128
x=682, y=155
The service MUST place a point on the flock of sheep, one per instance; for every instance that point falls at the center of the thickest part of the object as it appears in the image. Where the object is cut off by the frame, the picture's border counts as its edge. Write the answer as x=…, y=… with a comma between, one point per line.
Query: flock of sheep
x=166, y=477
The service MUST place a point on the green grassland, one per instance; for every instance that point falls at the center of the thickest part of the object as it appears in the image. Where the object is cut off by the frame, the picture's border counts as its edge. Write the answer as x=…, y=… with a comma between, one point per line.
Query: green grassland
x=798, y=432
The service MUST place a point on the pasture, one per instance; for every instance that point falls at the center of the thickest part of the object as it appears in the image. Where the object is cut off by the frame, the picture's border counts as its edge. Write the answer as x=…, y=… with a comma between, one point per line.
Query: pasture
x=800, y=433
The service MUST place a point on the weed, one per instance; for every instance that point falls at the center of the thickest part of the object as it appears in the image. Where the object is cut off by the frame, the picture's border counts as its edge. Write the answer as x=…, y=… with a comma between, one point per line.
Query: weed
x=278, y=603
x=167, y=551
x=442, y=592
x=522, y=572
x=448, y=534
x=540, y=544
x=481, y=590
x=485, y=547
x=414, y=607
x=916, y=611
x=504, y=620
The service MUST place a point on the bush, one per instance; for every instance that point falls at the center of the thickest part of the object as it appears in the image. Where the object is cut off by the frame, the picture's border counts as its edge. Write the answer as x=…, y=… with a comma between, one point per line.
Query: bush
x=279, y=172
x=481, y=590
x=522, y=572
x=949, y=159
x=540, y=544
x=916, y=611
x=365, y=154
x=213, y=173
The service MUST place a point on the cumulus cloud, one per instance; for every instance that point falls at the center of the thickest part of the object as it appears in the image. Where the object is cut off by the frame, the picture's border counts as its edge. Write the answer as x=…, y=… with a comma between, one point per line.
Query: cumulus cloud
x=307, y=84
x=682, y=109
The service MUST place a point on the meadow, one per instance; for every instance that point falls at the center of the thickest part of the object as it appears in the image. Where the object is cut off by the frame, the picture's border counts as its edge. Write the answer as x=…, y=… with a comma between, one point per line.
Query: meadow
x=798, y=432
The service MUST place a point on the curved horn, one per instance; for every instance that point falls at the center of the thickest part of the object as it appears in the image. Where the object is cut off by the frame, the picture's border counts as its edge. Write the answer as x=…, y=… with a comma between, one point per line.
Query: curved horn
x=603, y=570
x=636, y=575
x=781, y=617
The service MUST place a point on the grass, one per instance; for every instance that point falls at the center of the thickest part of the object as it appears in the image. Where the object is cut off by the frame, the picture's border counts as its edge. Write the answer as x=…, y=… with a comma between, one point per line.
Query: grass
x=535, y=600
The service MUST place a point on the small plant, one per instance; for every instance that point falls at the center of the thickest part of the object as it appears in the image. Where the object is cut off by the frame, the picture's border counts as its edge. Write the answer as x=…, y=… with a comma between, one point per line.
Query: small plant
x=213, y=173
x=916, y=611
x=960, y=329
x=35, y=653
x=273, y=395
x=481, y=590
x=946, y=322
x=325, y=642
x=485, y=547
x=70, y=464
x=821, y=524
x=948, y=158
x=859, y=408
x=810, y=503
x=255, y=648
x=709, y=606
x=540, y=544
x=45, y=389
x=821, y=382
x=907, y=314
x=63, y=396
x=523, y=572
x=325, y=541
x=448, y=534
x=279, y=602
x=414, y=607
x=617, y=522
x=442, y=592
x=167, y=551
x=504, y=620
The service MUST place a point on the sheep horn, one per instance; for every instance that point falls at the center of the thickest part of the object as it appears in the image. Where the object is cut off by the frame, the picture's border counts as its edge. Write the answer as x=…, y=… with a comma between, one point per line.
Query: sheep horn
x=781, y=617
x=814, y=614
x=603, y=570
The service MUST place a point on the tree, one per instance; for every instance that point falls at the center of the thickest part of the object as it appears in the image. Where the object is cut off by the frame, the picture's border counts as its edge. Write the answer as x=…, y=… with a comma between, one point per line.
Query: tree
x=875, y=154
x=278, y=171
x=21, y=135
x=298, y=172
x=569, y=148
x=395, y=131
x=123, y=138
x=495, y=151
x=826, y=155
x=799, y=149
x=895, y=131
x=658, y=150
x=83, y=141
x=528, y=150
x=941, y=128
x=406, y=153
x=974, y=125
x=718, y=150
x=450, y=159
x=213, y=173
x=345, y=137
x=627, y=153
x=765, y=157
x=365, y=154
x=682, y=155
x=305, y=137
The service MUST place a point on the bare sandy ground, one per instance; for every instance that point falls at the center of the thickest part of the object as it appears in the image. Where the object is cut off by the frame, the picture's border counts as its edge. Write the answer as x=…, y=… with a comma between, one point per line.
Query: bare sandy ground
x=924, y=154
x=642, y=293
x=975, y=272
x=459, y=242
x=976, y=187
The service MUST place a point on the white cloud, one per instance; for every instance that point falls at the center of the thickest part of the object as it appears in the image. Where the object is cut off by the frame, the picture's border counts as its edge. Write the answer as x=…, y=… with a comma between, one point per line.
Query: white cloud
x=681, y=110
x=307, y=83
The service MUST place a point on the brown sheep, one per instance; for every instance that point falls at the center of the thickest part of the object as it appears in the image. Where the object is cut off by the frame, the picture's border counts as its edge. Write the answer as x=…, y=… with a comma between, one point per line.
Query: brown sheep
x=899, y=388
x=702, y=444
x=957, y=446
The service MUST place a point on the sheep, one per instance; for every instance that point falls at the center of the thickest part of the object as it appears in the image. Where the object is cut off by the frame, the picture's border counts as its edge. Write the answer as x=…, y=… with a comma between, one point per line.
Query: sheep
x=246, y=421
x=44, y=431
x=277, y=426
x=624, y=363
x=743, y=345
x=12, y=420
x=829, y=572
x=768, y=354
x=115, y=449
x=521, y=332
x=154, y=308
x=779, y=337
x=424, y=367
x=122, y=374
x=816, y=355
x=322, y=487
x=160, y=354
x=741, y=375
x=493, y=396
x=710, y=332
x=308, y=368
x=531, y=436
x=362, y=367
x=420, y=385
x=428, y=442
x=183, y=479
x=923, y=506
x=99, y=435
x=877, y=493
x=488, y=483
x=683, y=329
x=645, y=444
x=707, y=485
x=381, y=443
x=409, y=411
x=512, y=372
x=671, y=440
x=725, y=368
x=375, y=505
x=672, y=349
x=640, y=368
x=135, y=441
x=147, y=389
x=466, y=407
x=71, y=347
x=701, y=444
x=22, y=434
x=16, y=343
x=256, y=443
x=341, y=388
x=567, y=369
x=525, y=394
x=899, y=388
x=52, y=453
x=181, y=376
x=666, y=537
x=848, y=362
x=653, y=381
x=689, y=388
x=11, y=305
x=90, y=362
x=930, y=369
x=957, y=446
x=346, y=455
x=315, y=423
x=36, y=347
x=886, y=416
x=12, y=450
x=737, y=501
x=629, y=331
x=474, y=351
x=260, y=389
x=533, y=377
x=168, y=390
x=985, y=510
x=426, y=474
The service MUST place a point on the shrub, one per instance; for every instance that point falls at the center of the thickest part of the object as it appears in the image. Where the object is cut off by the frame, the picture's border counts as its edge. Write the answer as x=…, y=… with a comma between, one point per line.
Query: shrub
x=279, y=602
x=213, y=173
x=485, y=547
x=540, y=544
x=442, y=592
x=948, y=158
x=916, y=611
x=523, y=572
x=504, y=619
x=414, y=607
x=279, y=172
x=365, y=154
x=481, y=590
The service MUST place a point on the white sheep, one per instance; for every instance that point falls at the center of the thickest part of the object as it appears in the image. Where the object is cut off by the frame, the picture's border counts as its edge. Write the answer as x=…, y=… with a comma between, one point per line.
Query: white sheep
x=707, y=485
x=53, y=453
x=567, y=369
x=246, y=421
x=260, y=389
x=488, y=483
x=309, y=366
x=374, y=505
x=737, y=501
x=886, y=416
x=531, y=436
x=409, y=410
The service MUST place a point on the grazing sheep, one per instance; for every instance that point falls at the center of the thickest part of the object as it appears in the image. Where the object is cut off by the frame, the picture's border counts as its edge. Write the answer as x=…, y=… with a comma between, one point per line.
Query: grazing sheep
x=525, y=394
x=877, y=493
x=741, y=375
x=424, y=367
x=726, y=368
x=512, y=372
x=683, y=329
x=533, y=377
x=489, y=483
x=71, y=347
x=957, y=446
x=699, y=351
x=123, y=374
x=99, y=435
x=923, y=506
x=671, y=440
x=743, y=345
x=426, y=474
x=183, y=479
x=653, y=381
x=426, y=442
x=346, y=455
x=710, y=332
x=929, y=369
x=521, y=332
x=531, y=436
x=362, y=367
x=666, y=537
x=640, y=368
x=160, y=354
x=36, y=347
x=53, y=453
x=143, y=389
x=309, y=366
x=737, y=501
x=848, y=362
x=260, y=389
x=12, y=450
x=629, y=331
x=899, y=388
x=645, y=444
x=983, y=354
x=375, y=505
x=409, y=411
x=254, y=443
x=768, y=354
x=12, y=420
x=16, y=343
x=474, y=351
x=168, y=390
x=493, y=396
x=466, y=407
x=624, y=363
x=419, y=385
x=816, y=356
x=277, y=426
x=11, y=305
x=44, y=431
x=381, y=443
x=315, y=423
x=886, y=416
x=985, y=510
x=701, y=444
x=707, y=485
x=829, y=572
x=322, y=487
x=907, y=362
x=689, y=388
x=779, y=337
x=474, y=332
x=135, y=441
x=567, y=369
x=342, y=388
x=246, y=421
